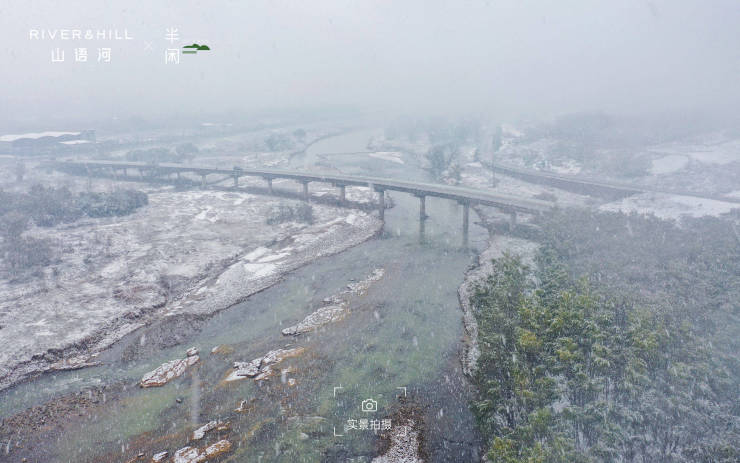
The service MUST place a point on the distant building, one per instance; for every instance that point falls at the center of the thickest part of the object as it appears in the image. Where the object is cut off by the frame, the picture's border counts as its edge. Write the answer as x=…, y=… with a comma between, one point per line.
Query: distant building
x=30, y=144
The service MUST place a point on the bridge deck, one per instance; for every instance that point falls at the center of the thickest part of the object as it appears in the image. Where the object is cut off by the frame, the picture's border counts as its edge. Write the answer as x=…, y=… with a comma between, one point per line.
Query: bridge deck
x=455, y=193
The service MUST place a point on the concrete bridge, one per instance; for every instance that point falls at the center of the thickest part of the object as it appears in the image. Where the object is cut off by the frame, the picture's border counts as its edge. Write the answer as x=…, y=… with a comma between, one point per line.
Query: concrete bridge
x=467, y=197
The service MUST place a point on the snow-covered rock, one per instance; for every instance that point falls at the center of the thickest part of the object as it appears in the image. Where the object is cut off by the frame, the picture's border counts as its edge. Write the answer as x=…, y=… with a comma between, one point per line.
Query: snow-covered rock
x=168, y=371
x=322, y=316
x=260, y=368
x=337, y=308
x=196, y=455
x=210, y=426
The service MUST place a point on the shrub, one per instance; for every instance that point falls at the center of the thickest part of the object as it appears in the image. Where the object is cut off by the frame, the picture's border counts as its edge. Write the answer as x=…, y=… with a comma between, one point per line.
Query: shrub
x=12, y=224
x=26, y=253
x=117, y=203
x=285, y=213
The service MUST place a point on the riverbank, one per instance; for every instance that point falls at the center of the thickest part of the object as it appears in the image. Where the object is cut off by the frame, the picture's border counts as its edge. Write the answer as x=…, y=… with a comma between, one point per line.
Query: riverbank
x=186, y=253
x=498, y=245
x=404, y=334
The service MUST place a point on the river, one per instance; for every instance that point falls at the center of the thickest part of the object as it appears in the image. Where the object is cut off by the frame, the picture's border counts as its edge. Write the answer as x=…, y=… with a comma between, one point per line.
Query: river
x=401, y=338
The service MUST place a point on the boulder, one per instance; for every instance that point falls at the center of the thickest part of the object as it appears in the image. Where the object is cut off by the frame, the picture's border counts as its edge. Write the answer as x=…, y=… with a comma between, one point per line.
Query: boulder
x=211, y=425
x=196, y=455
x=168, y=371
x=260, y=368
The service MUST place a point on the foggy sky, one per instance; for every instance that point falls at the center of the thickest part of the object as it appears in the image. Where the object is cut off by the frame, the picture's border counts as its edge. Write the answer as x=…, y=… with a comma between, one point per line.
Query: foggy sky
x=501, y=57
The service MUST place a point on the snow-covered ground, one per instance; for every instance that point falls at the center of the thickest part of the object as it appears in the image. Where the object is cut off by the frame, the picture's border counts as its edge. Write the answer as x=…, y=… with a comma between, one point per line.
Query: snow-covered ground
x=185, y=252
x=702, y=164
x=712, y=148
x=668, y=164
x=14, y=137
x=392, y=156
x=669, y=206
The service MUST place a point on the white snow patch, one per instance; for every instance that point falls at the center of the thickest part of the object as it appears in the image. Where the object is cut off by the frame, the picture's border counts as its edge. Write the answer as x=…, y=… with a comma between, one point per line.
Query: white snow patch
x=392, y=156
x=668, y=164
x=570, y=167
x=260, y=270
x=256, y=254
x=10, y=138
x=274, y=257
x=510, y=130
x=716, y=150
x=670, y=206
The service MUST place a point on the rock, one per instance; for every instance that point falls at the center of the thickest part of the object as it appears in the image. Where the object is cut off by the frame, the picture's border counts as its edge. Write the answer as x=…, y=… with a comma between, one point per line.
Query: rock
x=250, y=369
x=265, y=373
x=168, y=371
x=260, y=368
x=139, y=457
x=192, y=352
x=195, y=455
x=322, y=316
x=159, y=457
x=243, y=407
x=217, y=448
x=188, y=455
x=211, y=425
x=337, y=308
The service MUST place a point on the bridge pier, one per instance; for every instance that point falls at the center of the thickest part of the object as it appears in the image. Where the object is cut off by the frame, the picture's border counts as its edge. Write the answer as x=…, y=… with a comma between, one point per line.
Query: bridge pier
x=512, y=220
x=422, y=208
x=342, y=194
x=141, y=174
x=465, y=223
x=305, y=191
x=203, y=181
x=89, y=177
x=381, y=204
x=269, y=185
x=178, y=177
x=236, y=181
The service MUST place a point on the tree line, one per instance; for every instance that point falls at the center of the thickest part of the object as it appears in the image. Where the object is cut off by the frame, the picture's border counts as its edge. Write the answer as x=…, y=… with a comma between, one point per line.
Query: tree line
x=47, y=207
x=619, y=345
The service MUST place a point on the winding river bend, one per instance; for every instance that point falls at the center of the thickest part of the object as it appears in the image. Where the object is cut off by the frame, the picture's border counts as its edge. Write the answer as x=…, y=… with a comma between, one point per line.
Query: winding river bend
x=400, y=338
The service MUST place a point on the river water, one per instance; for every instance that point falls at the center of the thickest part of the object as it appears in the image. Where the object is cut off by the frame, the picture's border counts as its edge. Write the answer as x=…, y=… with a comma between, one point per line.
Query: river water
x=401, y=338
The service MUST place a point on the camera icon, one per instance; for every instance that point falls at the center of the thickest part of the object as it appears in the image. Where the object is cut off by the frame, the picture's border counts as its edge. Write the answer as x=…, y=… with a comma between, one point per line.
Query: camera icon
x=369, y=405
